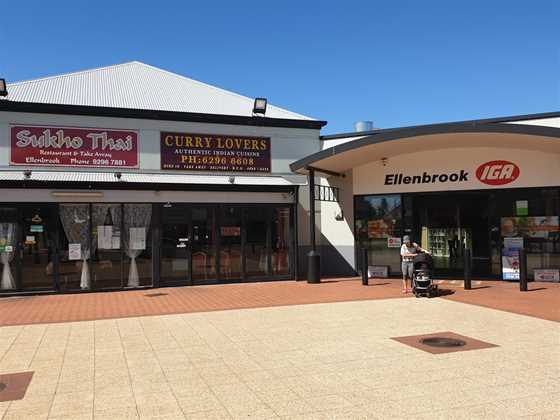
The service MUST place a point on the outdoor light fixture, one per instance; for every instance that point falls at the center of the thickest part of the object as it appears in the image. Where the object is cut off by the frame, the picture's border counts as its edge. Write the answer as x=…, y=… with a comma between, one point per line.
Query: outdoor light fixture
x=231, y=179
x=260, y=106
x=118, y=175
x=384, y=161
x=4, y=90
x=27, y=174
x=167, y=205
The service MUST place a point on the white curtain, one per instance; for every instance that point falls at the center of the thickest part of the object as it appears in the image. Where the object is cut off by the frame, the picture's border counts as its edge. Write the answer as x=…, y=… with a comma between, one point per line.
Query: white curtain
x=135, y=216
x=8, y=234
x=75, y=221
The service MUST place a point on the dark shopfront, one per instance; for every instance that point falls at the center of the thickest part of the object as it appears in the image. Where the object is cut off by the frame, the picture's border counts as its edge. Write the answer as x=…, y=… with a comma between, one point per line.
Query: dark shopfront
x=447, y=222
x=107, y=246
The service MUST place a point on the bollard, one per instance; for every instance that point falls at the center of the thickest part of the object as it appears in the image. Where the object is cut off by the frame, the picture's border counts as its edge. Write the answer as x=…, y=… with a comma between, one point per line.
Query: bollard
x=313, y=267
x=364, y=266
x=467, y=283
x=522, y=270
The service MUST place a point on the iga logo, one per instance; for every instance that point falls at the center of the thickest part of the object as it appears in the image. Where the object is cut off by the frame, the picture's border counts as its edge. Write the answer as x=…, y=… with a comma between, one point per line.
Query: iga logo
x=497, y=172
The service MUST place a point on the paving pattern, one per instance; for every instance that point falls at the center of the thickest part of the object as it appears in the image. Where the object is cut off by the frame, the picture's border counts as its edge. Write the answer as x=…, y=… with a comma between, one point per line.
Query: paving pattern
x=541, y=301
x=320, y=361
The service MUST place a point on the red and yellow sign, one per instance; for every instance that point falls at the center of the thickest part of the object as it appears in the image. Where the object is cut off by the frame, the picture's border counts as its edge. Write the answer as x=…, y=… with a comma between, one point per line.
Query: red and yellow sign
x=212, y=152
x=67, y=146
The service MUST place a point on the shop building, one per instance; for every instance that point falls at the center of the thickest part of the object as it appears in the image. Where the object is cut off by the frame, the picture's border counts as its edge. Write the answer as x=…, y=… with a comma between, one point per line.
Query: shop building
x=130, y=176
x=490, y=186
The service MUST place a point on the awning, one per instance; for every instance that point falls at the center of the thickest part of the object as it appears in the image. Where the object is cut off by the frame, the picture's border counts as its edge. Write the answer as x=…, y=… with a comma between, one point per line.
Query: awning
x=341, y=158
x=116, y=177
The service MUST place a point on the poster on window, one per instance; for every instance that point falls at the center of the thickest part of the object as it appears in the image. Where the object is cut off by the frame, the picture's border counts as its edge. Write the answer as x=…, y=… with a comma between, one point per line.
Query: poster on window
x=538, y=227
x=116, y=239
x=514, y=242
x=380, y=228
x=74, y=252
x=105, y=237
x=394, y=242
x=137, y=238
x=510, y=264
x=230, y=231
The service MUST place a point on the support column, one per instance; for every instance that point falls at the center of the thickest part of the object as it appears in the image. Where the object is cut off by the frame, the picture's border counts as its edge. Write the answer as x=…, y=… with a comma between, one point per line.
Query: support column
x=313, y=258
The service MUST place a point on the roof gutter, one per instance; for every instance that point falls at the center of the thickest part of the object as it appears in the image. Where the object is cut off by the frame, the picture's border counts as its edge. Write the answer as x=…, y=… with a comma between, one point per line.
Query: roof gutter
x=97, y=111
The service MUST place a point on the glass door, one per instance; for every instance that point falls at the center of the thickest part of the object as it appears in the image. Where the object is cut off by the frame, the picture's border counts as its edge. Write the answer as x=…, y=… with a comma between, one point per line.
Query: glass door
x=449, y=224
x=9, y=249
x=257, y=258
x=27, y=248
x=37, y=247
x=176, y=244
x=204, y=244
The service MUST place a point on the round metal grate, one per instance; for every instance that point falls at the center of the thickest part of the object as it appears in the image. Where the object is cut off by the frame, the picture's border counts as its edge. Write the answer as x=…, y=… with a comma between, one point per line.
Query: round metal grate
x=443, y=342
x=2, y=386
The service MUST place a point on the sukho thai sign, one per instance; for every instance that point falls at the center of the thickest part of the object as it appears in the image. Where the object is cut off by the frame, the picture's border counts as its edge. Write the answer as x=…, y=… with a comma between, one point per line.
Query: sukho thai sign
x=65, y=146
x=210, y=152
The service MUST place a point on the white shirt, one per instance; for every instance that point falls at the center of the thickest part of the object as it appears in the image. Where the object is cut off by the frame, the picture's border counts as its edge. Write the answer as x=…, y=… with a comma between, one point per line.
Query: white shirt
x=409, y=250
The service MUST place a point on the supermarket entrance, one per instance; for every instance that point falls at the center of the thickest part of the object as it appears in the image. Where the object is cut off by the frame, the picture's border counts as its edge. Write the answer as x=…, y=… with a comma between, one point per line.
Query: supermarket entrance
x=447, y=223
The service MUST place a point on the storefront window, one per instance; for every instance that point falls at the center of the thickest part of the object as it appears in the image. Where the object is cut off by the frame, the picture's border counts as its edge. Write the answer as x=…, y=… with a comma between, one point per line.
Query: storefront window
x=231, y=220
x=531, y=218
x=38, y=248
x=281, y=241
x=106, y=244
x=137, y=244
x=75, y=254
x=256, y=248
x=379, y=218
x=175, y=252
x=8, y=243
x=203, y=244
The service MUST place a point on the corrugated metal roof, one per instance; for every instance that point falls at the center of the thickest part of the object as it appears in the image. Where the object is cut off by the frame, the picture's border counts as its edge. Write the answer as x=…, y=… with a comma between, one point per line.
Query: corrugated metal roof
x=144, y=178
x=137, y=85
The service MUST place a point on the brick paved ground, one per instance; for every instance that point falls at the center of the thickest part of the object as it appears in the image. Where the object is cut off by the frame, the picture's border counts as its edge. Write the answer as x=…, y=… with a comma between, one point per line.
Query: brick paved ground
x=332, y=361
x=541, y=302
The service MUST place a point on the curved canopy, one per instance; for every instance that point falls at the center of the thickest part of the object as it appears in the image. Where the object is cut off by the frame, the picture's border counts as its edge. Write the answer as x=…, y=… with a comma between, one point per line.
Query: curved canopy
x=391, y=142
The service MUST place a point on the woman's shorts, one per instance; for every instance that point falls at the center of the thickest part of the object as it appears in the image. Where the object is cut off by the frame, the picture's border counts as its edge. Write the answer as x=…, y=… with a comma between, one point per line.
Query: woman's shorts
x=407, y=269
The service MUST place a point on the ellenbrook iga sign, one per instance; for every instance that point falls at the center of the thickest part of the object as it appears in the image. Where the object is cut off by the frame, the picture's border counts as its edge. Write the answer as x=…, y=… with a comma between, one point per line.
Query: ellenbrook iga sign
x=496, y=172
x=67, y=146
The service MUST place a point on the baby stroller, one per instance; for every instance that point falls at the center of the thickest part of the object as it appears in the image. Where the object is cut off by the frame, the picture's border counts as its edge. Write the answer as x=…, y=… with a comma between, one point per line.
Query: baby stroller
x=422, y=282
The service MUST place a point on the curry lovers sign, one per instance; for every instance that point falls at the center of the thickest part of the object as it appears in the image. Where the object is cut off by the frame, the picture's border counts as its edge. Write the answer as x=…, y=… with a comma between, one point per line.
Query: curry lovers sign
x=211, y=152
x=71, y=146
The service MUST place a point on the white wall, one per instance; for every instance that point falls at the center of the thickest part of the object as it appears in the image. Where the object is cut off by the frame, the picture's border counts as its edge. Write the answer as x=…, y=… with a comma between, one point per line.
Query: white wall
x=287, y=144
x=335, y=142
x=339, y=233
x=536, y=169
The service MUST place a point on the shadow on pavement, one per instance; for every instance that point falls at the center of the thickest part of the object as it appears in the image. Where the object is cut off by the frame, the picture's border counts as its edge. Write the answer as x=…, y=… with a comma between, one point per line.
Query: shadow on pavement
x=445, y=292
x=538, y=288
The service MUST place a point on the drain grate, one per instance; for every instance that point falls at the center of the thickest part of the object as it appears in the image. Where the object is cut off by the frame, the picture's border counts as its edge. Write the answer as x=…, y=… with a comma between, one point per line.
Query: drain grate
x=156, y=294
x=2, y=386
x=442, y=342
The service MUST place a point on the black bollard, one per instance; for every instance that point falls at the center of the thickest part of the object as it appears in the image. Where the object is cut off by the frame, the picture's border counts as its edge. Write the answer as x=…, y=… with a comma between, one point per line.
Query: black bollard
x=467, y=283
x=522, y=270
x=364, y=266
x=313, y=267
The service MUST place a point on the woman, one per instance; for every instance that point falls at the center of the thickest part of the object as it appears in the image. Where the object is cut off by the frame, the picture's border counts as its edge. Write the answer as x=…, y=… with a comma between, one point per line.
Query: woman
x=409, y=250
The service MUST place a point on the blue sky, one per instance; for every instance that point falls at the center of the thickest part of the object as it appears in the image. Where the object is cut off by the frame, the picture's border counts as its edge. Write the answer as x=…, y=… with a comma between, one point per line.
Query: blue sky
x=394, y=62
